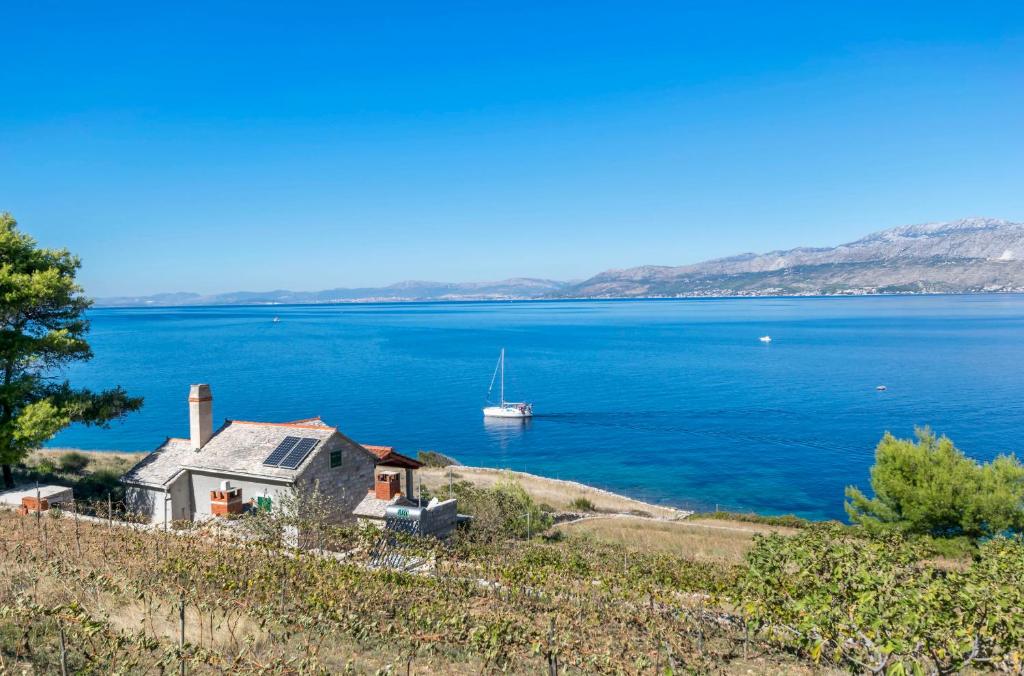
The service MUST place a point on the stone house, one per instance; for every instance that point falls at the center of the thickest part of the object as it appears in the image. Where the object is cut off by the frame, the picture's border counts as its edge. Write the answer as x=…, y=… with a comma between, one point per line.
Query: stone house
x=251, y=465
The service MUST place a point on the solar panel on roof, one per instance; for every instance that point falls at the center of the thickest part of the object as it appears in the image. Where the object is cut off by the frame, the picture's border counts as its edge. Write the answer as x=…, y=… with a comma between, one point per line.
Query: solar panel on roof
x=283, y=448
x=299, y=453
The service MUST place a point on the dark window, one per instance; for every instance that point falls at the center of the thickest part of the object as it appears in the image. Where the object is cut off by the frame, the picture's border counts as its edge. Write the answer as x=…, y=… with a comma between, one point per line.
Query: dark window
x=336, y=458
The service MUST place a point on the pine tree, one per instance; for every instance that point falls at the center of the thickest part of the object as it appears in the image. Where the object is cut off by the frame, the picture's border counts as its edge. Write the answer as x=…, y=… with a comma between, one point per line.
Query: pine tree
x=42, y=330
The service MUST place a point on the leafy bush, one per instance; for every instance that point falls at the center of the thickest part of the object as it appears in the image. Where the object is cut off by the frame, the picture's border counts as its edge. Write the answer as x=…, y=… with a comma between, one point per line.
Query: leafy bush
x=951, y=548
x=99, y=484
x=787, y=520
x=869, y=603
x=435, y=459
x=931, y=488
x=501, y=512
x=583, y=505
x=45, y=467
x=73, y=462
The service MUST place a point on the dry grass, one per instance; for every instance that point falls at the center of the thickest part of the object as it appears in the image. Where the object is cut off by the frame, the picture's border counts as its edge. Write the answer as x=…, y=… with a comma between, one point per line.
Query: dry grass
x=557, y=493
x=98, y=460
x=698, y=540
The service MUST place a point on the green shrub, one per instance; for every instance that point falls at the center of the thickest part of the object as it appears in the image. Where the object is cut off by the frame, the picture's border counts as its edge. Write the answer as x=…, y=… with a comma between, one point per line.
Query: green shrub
x=45, y=467
x=787, y=520
x=582, y=504
x=501, y=512
x=435, y=459
x=952, y=548
x=73, y=462
x=98, y=484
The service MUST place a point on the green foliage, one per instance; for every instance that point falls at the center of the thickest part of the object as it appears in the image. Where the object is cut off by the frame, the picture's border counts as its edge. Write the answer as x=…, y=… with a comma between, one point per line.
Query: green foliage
x=99, y=484
x=435, y=459
x=787, y=520
x=931, y=488
x=951, y=547
x=870, y=603
x=42, y=331
x=300, y=516
x=500, y=512
x=45, y=468
x=73, y=462
x=583, y=505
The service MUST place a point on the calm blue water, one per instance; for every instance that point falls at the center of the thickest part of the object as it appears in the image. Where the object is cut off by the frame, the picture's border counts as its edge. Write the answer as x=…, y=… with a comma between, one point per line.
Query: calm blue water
x=669, y=401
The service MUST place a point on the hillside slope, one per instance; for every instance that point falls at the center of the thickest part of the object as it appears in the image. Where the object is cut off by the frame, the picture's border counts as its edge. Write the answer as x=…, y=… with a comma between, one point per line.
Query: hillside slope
x=963, y=256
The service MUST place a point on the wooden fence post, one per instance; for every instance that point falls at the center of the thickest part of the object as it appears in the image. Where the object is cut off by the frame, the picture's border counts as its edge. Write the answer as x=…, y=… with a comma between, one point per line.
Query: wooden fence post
x=63, y=650
x=78, y=536
x=181, y=635
x=552, y=653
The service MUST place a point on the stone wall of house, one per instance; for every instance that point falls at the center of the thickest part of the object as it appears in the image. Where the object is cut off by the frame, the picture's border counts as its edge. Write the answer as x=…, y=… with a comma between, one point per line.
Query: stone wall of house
x=346, y=485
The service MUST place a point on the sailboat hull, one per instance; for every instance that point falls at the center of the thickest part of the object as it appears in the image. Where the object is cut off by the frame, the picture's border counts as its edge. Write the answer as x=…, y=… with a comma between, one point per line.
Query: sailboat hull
x=508, y=412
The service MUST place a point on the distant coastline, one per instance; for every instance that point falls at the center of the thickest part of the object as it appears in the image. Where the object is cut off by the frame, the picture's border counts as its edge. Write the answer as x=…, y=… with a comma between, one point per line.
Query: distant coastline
x=98, y=304
x=971, y=255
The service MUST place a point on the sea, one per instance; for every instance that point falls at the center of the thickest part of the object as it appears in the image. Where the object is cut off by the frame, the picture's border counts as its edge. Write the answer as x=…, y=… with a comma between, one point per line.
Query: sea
x=674, y=402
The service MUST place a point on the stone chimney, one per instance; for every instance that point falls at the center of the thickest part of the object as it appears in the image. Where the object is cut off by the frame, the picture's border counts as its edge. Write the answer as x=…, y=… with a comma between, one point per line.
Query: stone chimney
x=200, y=415
x=388, y=485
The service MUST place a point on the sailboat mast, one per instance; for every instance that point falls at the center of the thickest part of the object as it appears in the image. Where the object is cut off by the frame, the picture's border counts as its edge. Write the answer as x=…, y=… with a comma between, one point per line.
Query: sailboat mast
x=502, y=376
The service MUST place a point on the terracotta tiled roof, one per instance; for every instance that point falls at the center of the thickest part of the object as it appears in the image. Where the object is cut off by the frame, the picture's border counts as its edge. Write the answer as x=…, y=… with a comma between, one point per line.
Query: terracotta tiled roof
x=387, y=455
x=379, y=451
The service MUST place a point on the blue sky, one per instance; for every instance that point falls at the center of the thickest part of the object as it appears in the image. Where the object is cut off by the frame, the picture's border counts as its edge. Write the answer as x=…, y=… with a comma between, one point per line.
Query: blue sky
x=224, y=146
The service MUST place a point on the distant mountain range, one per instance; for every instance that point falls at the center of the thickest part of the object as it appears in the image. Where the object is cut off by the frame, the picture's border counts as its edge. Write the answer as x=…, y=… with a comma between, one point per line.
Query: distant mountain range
x=966, y=256
x=519, y=288
x=971, y=255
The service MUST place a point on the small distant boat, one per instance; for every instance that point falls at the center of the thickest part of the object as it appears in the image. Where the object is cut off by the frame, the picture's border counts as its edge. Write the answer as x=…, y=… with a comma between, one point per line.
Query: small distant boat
x=765, y=339
x=505, y=409
x=881, y=388
x=276, y=320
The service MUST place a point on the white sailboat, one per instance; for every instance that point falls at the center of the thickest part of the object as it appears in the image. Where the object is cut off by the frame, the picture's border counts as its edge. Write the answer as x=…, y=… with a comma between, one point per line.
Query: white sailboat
x=506, y=409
